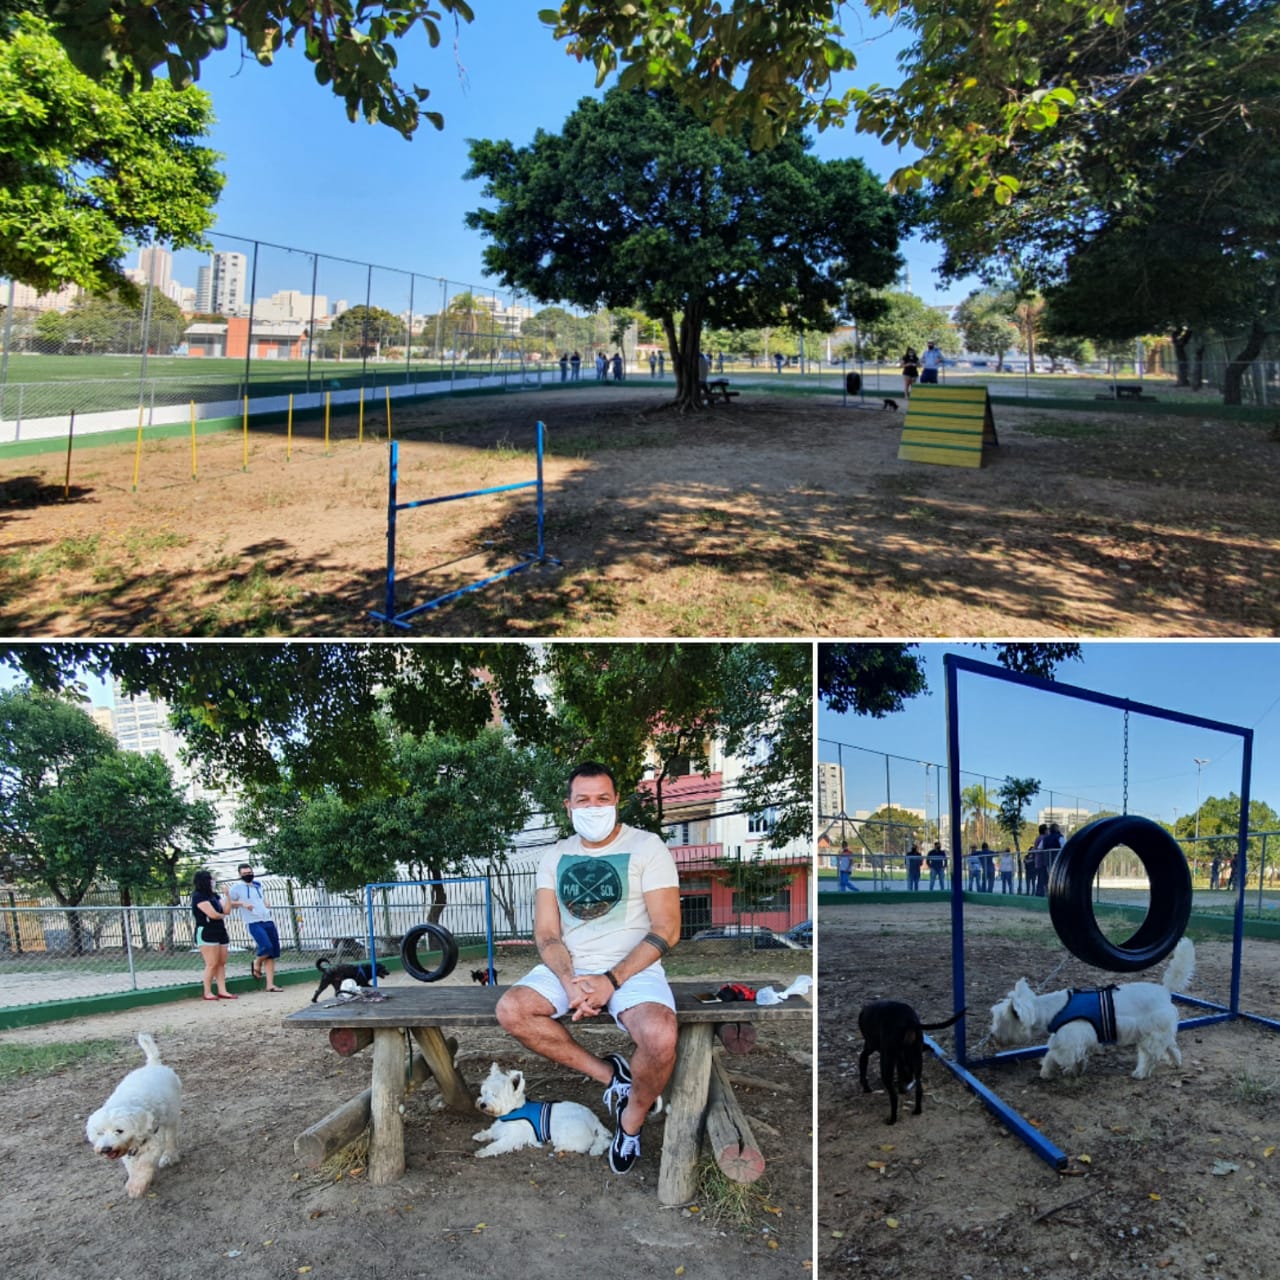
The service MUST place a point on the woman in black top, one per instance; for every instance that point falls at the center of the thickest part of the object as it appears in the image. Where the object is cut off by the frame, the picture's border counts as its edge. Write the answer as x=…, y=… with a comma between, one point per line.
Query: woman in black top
x=910, y=370
x=211, y=934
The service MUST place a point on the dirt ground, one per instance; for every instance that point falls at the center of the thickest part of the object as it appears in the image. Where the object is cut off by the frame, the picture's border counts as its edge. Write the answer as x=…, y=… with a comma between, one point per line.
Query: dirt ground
x=239, y=1204
x=1175, y=1175
x=773, y=516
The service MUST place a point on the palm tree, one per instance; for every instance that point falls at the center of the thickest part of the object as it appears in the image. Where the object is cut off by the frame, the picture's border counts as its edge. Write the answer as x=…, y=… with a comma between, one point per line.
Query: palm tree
x=976, y=802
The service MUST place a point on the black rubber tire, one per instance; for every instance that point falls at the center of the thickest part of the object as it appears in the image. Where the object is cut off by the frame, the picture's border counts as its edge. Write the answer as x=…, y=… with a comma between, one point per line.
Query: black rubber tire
x=442, y=938
x=853, y=383
x=1071, y=894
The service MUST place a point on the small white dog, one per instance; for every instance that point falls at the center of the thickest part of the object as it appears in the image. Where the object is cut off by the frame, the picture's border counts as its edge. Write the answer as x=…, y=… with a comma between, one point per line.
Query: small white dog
x=569, y=1126
x=139, y=1121
x=1076, y=1022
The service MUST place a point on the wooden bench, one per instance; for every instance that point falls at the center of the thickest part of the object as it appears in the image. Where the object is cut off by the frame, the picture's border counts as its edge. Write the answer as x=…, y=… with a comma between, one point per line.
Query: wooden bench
x=699, y=1097
x=716, y=391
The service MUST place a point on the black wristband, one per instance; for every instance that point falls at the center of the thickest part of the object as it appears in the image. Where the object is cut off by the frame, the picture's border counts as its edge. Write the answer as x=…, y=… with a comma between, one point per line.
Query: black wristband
x=608, y=973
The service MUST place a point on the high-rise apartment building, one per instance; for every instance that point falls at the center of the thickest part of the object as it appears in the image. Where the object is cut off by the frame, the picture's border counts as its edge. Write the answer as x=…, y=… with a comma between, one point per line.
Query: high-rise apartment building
x=830, y=789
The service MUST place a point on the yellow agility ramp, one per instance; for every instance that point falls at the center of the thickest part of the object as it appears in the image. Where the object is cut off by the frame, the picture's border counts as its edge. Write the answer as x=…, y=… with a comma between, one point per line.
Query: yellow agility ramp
x=948, y=425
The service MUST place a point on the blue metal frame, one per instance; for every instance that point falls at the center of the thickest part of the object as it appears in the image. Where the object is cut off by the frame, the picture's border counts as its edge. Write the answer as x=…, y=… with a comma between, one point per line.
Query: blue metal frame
x=953, y=664
x=388, y=612
x=401, y=884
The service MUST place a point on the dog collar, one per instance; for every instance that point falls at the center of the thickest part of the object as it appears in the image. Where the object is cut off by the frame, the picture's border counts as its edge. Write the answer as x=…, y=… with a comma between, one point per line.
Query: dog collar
x=1096, y=1006
x=538, y=1115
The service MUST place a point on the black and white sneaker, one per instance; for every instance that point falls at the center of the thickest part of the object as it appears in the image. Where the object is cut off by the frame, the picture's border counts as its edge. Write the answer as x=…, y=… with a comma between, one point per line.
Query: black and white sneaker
x=624, y=1150
x=615, y=1096
x=619, y=1090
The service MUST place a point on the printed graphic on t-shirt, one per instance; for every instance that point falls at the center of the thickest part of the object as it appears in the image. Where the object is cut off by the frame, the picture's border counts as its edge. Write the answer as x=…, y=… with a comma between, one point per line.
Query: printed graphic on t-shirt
x=590, y=888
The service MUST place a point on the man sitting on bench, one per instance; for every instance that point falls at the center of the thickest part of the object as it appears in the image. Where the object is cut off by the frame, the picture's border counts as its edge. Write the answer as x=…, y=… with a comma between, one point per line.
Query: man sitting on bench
x=606, y=910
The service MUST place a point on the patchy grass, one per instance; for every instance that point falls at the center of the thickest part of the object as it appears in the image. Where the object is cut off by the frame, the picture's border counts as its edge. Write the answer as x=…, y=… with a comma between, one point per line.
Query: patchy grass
x=42, y=1059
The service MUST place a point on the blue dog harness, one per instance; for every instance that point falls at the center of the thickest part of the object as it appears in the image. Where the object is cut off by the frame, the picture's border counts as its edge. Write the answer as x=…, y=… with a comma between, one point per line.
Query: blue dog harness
x=538, y=1114
x=1096, y=1006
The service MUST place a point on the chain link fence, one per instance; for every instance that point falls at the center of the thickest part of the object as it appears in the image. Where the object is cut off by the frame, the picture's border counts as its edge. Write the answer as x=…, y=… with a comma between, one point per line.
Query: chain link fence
x=103, y=947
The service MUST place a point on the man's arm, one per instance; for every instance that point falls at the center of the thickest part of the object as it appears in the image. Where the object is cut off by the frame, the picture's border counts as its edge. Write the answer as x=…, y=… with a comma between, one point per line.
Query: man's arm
x=663, y=906
x=547, y=938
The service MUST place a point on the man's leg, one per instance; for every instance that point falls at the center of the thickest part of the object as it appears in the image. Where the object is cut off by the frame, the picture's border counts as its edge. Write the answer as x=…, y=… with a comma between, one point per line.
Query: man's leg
x=653, y=1028
x=527, y=1015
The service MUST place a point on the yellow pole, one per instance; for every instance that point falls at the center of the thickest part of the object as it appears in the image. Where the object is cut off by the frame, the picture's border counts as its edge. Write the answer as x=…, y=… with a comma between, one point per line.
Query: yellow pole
x=137, y=453
x=327, y=394
x=360, y=433
x=193, y=439
x=245, y=434
x=288, y=452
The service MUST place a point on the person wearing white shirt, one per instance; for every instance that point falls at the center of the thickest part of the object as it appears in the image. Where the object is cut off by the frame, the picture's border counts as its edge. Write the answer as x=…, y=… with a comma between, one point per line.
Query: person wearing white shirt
x=606, y=911
x=930, y=363
x=247, y=891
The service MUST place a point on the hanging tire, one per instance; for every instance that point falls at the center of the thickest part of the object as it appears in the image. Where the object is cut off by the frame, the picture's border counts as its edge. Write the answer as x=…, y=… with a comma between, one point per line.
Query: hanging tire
x=1071, y=893
x=852, y=383
x=441, y=938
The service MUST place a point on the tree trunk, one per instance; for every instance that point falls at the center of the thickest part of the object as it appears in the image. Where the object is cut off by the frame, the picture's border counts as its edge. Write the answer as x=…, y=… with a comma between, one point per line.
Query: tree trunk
x=1197, y=367
x=684, y=347
x=1181, y=338
x=1233, y=381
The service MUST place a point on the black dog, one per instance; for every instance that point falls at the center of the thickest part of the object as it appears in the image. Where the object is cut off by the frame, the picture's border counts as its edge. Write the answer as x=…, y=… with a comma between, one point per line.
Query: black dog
x=482, y=976
x=894, y=1031
x=334, y=975
x=891, y=405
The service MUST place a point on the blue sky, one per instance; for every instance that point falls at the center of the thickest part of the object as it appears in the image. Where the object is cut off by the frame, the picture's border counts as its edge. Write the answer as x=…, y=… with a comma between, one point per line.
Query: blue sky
x=300, y=174
x=1074, y=748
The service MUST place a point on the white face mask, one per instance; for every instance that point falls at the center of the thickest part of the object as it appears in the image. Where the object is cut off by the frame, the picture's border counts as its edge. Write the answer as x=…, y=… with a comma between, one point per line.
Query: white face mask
x=594, y=823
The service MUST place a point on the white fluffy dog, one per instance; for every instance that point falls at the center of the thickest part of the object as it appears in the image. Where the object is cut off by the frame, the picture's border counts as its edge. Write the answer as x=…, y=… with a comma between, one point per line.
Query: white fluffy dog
x=139, y=1121
x=1137, y=1013
x=568, y=1126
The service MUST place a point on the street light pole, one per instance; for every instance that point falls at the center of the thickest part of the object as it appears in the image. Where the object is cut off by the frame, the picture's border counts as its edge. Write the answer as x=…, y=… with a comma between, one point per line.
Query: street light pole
x=1199, y=765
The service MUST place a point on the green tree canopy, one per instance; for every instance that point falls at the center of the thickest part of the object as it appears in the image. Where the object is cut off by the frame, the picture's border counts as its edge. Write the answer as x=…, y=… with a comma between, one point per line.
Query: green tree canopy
x=1152, y=196
x=635, y=203
x=895, y=321
x=1013, y=795
x=449, y=800
x=86, y=173
x=365, y=330
x=113, y=324
x=74, y=808
x=878, y=679
x=985, y=318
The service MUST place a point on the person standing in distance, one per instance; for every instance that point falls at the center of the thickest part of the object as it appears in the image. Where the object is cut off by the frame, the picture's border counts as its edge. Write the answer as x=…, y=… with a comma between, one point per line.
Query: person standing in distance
x=606, y=911
x=247, y=894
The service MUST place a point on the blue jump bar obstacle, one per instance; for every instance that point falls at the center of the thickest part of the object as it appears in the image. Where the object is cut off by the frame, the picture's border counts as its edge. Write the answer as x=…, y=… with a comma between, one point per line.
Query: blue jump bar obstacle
x=388, y=612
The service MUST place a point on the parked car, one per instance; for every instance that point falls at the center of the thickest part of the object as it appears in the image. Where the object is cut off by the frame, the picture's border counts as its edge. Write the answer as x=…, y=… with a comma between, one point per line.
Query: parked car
x=801, y=934
x=762, y=939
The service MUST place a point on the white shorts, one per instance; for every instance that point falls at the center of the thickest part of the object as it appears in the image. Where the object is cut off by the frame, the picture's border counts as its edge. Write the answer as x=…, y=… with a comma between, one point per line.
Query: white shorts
x=649, y=986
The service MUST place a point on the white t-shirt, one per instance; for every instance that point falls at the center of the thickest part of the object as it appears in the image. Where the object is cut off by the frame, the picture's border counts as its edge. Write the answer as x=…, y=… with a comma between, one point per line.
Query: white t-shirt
x=257, y=911
x=600, y=893
x=932, y=358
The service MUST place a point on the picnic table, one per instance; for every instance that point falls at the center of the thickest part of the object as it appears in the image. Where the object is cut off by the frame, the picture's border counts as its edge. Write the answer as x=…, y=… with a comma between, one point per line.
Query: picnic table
x=716, y=391
x=698, y=1098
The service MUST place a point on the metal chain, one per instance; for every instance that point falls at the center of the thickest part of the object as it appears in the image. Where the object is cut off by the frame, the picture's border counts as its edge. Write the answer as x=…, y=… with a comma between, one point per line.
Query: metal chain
x=1125, y=808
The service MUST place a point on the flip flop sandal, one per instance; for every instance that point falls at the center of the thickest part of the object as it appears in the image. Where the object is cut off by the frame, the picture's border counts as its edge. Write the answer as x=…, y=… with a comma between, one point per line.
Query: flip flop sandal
x=225, y=996
x=275, y=988
x=255, y=970
x=208, y=997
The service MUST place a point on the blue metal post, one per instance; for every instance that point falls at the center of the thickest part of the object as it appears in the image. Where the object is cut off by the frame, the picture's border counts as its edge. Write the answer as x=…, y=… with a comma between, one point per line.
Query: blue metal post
x=389, y=605
x=373, y=959
x=1242, y=864
x=540, y=542
x=957, y=885
x=488, y=926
